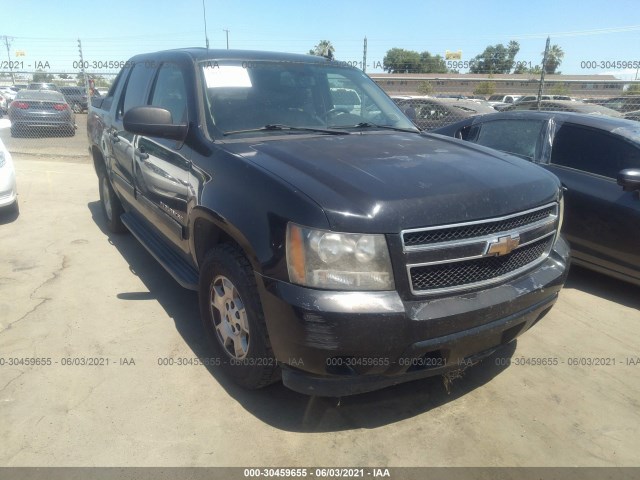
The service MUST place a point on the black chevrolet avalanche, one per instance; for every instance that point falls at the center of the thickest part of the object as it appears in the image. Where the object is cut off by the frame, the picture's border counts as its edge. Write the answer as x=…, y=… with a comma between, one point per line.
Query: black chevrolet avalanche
x=332, y=244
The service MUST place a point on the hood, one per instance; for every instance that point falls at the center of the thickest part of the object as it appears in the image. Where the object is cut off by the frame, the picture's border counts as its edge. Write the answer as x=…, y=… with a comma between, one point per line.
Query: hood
x=383, y=182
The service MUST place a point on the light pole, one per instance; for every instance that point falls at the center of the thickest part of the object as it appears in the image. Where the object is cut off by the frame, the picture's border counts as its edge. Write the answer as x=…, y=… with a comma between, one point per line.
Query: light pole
x=227, y=32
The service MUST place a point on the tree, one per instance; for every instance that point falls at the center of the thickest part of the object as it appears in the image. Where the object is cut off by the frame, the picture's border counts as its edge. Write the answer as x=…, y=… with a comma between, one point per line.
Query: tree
x=42, y=76
x=64, y=76
x=559, y=89
x=535, y=70
x=485, y=88
x=554, y=59
x=432, y=63
x=425, y=88
x=633, y=89
x=496, y=58
x=323, y=49
x=399, y=60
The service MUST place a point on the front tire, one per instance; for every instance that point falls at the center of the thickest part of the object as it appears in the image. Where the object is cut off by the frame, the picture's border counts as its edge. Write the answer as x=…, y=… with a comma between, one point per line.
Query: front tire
x=233, y=319
x=111, y=206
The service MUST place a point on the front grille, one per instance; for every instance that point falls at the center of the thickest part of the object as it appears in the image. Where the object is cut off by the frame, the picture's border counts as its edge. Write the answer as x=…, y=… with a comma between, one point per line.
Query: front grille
x=469, y=272
x=477, y=229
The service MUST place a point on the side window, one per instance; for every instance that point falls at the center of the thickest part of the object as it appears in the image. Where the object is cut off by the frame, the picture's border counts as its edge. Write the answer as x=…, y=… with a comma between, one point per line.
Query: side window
x=136, y=89
x=170, y=92
x=108, y=100
x=518, y=137
x=593, y=151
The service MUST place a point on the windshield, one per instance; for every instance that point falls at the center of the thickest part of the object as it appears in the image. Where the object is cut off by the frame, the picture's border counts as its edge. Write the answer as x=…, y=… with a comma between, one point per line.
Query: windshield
x=243, y=96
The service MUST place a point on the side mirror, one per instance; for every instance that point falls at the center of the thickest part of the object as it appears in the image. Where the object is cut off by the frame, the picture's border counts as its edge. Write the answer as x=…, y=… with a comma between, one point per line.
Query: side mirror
x=96, y=102
x=629, y=179
x=153, y=122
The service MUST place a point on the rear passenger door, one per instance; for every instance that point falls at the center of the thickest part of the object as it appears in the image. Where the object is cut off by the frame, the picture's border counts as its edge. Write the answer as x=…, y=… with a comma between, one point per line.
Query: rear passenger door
x=162, y=167
x=602, y=222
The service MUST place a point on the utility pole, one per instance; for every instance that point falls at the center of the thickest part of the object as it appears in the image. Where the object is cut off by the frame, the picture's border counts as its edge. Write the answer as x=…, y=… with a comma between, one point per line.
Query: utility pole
x=84, y=75
x=227, y=32
x=544, y=66
x=364, y=56
x=204, y=17
x=6, y=42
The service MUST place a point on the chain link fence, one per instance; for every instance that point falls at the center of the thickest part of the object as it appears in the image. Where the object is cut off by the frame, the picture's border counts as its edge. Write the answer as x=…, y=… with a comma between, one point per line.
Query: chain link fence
x=46, y=88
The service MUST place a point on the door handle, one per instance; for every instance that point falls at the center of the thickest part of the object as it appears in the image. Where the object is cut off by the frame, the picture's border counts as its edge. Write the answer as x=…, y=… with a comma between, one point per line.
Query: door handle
x=141, y=153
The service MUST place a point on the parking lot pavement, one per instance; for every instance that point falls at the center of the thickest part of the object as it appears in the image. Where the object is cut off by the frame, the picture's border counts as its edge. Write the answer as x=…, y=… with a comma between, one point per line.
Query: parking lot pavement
x=102, y=319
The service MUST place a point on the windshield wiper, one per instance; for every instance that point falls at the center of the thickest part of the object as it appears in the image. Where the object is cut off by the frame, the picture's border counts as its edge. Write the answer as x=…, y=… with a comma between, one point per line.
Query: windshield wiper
x=272, y=127
x=374, y=125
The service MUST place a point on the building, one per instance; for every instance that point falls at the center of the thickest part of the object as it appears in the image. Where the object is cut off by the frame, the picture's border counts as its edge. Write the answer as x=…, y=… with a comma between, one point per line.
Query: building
x=581, y=86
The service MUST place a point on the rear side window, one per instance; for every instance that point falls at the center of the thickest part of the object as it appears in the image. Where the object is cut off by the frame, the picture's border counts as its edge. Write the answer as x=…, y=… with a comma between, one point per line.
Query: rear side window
x=593, y=151
x=170, y=92
x=518, y=137
x=136, y=89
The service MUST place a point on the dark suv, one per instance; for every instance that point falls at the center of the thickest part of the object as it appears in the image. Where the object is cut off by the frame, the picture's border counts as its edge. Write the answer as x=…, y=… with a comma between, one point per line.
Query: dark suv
x=76, y=97
x=331, y=243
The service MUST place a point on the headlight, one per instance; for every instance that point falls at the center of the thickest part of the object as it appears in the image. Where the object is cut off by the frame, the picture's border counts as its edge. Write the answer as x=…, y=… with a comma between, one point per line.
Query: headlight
x=338, y=261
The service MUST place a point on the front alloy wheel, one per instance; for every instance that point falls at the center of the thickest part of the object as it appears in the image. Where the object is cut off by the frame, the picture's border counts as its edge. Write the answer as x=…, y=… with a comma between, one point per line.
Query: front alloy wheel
x=229, y=317
x=233, y=319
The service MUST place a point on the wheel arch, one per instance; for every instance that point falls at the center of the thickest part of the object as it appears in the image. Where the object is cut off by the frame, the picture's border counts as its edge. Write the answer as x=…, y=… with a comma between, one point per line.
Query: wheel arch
x=210, y=229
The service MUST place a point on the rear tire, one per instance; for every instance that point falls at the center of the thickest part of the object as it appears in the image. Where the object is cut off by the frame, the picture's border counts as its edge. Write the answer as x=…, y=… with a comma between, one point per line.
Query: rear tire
x=233, y=318
x=111, y=206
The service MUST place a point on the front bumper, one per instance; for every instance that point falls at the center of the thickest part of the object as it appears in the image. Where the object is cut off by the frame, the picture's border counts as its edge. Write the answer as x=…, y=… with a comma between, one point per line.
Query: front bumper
x=344, y=343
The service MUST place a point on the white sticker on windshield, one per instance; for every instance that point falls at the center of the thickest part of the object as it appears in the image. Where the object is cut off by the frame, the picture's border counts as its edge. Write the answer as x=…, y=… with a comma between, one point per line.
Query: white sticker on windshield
x=222, y=76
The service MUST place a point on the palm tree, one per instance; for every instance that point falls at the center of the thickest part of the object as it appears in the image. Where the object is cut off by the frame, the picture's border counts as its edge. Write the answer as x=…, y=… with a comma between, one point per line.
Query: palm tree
x=323, y=49
x=554, y=59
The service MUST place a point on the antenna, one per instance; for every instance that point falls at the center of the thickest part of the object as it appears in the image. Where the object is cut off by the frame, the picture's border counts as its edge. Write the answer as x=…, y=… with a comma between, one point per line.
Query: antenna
x=204, y=17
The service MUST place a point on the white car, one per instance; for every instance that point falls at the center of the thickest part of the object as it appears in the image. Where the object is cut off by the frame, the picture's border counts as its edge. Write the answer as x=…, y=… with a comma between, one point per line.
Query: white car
x=8, y=93
x=8, y=190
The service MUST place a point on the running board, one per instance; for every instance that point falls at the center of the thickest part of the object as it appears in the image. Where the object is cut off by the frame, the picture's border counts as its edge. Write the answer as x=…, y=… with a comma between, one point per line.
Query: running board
x=180, y=270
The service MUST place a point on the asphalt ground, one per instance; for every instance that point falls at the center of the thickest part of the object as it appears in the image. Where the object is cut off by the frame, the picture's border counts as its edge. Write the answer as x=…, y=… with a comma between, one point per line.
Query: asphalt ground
x=70, y=292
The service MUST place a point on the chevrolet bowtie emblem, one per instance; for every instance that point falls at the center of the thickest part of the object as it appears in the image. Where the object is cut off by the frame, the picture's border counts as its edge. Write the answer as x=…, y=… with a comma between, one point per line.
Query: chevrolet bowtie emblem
x=503, y=245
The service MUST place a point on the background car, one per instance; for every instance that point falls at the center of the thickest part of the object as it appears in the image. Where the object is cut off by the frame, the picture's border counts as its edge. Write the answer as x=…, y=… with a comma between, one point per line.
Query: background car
x=430, y=113
x=43, y=86
x=76, y=97
x=8, y=93
x=635, y=115
x=597, y=159
x=39, y=112
x=500, y=101
x=4, y=105
x=563, y=106
x=8, y=189
x=628, y=103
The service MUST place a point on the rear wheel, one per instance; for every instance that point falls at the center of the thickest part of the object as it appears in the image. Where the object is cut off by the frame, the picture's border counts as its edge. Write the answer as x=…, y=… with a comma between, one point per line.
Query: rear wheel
x=233, y=319
x=111, y=206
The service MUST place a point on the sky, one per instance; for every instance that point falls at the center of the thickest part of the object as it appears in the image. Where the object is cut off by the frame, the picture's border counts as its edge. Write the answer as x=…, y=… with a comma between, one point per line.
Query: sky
x=45, y=33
